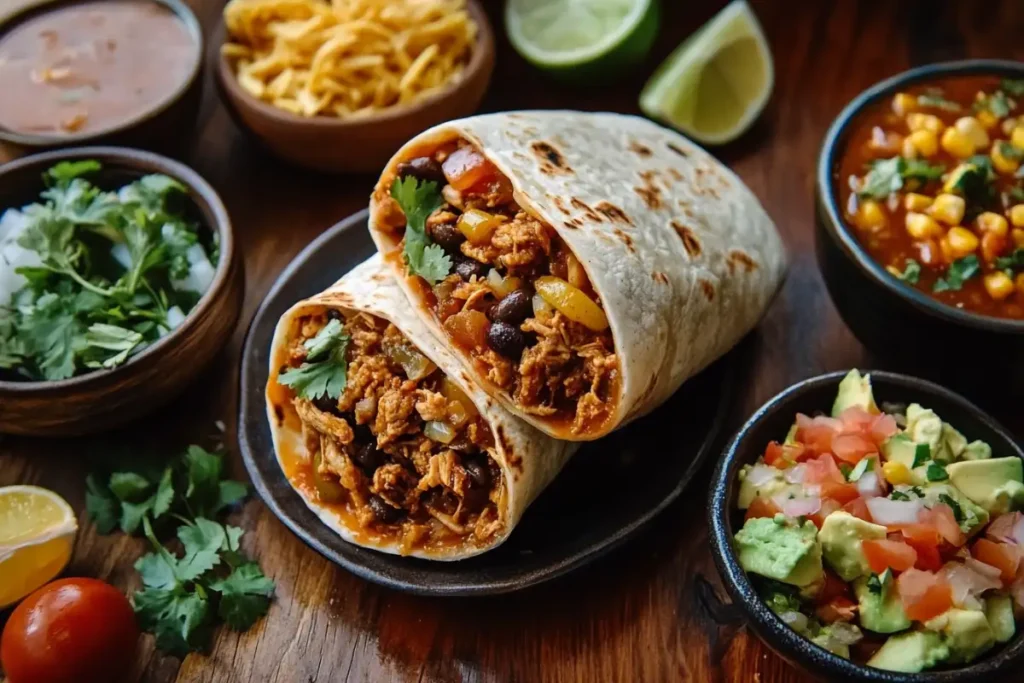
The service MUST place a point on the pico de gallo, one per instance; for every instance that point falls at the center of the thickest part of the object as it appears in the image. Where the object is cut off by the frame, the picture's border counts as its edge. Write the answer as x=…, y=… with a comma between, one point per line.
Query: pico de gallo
x=885, y=536
x=932, y=182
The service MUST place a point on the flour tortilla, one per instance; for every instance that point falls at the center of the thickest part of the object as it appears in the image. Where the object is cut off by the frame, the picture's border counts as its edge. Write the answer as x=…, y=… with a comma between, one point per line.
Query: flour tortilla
x=528, y=459
x=681, y=253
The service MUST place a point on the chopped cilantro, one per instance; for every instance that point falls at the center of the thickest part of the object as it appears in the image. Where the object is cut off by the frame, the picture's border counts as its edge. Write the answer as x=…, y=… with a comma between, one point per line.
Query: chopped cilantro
x=1007, y=150
x=997, y=103
x=874, y=584
x=936, y=472
x=1014, y=87
x=934, y=98
x=888, y=175
x=922, y=454
x=911, y=272
x=846, y=469
x=916, y=490
x=325, y=371
x=898, y=495
x=1016, y=194
x=417, y=201
x=1011, y=263
x=959, y=271
x=958, y=512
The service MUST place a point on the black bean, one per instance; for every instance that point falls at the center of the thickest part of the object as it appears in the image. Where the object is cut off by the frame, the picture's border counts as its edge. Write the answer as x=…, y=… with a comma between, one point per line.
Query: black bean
x=327, y=404
x=506, y=339
x=448, y=236
x=333, y=314
x=514, y=308
x=463, y=445
x=422, y=168
x=467, y=268
x=384, y=512
x=367, y=457
x=478, y=473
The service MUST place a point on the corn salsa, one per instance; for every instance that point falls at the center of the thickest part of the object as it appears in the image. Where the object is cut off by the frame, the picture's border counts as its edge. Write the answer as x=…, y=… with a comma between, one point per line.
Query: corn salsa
x=932, y=185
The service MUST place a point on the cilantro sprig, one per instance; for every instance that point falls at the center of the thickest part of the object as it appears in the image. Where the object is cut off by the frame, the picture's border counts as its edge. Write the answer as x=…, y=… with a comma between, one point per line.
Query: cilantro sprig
x=418, y=200
x=325, y=372
x=934, y=97
x=959, y=271
x=184, y=595
x=1012, y=263
x=887, y=176
x=911, y=272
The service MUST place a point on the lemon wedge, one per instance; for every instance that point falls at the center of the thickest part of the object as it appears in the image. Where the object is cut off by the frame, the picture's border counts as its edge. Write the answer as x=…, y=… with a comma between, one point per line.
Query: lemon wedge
x=714, y=85
x=37, y=533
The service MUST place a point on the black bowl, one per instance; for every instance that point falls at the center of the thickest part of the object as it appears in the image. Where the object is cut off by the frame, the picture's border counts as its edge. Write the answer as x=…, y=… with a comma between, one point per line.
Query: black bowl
x=890, y=317
x=772, y=421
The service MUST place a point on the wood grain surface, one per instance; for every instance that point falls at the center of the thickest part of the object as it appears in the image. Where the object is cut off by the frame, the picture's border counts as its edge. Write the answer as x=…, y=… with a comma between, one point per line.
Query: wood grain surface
x=642, y=614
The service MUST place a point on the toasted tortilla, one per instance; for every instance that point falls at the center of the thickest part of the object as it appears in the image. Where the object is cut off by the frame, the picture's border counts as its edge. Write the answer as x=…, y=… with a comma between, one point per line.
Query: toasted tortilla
x=528, y=459
x=681, y=253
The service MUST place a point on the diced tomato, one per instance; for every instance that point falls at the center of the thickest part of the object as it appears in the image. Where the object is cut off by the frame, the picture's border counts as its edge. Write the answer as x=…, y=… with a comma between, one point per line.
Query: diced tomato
x=852, y=448
x=762, y=507
x=837, y=609
x=1004, y=557
x=924, y=595
x=882, y=428
x=465, y=167
x=823, y=469
x=773, y=453
x=856, y=420
x=816, y=433
x=858, y=507
x=796, y=452
x=828, y=506
x=925, y=539
x=883, y=554
x=842, y=493
x=942, y=518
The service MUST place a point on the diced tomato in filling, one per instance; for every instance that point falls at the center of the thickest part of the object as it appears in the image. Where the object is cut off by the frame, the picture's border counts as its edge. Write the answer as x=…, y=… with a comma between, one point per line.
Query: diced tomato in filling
x=883, y=554
x=465, y=167
x=925, y=539
x=858, y=507
x=852, y=448
x=828, y=506
x=762, y=507
x=1004, y=557
x=842, y=493
x=823, y=469
x=837, y=609
x=924, y=595
x=942, y=518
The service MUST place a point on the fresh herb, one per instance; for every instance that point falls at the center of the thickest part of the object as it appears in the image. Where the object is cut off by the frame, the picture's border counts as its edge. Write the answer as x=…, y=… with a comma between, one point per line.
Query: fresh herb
x=109, y=267
x=888, y=175
x=325, y=371
x=779, y=597
x=997, y=103
x=958, y=512
x=934, y=98
x=1013, y=87
x=1016, y=194
x=983, y=163
x=916, y=490
x=1011, y=263
x=182, y=596
x=919, y=169
x=922, y=454
x=911, y=272
x=959, y=271
x=874, y=584
x=1008, y=151
x=417, y=201
x=846, y=469
x=936, y=472
x=898, y=495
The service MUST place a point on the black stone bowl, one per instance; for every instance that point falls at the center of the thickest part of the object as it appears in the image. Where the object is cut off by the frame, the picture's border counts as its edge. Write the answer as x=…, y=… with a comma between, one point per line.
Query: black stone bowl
x=772, y=421
x=893, y=319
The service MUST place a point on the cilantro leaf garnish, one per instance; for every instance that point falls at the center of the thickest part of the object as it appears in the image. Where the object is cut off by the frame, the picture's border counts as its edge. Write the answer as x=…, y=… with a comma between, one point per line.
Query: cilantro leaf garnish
x=888, y=175
x=936, y=472
x=899, y=495
x=245, y=596
x=958, y=512
x=1009, y=151
x=1011, y=263
x=1014, y=87
x=874, y=584
x=911, y=272
x=959, y=271
x=418, y=200
x=325, y=371
x=934, y=98
x=922, y=454
x=919, y=169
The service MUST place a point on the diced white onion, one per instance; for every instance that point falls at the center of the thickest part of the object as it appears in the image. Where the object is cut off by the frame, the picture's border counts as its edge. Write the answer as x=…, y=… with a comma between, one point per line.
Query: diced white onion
x=175, y=317
x=439, y=431
x=869, y=485
x=982, y=568
x=797, y=507
x=967, y=582
x=200, y=274
x=795, y=620
x=846, y=634
x=796, y=474
x=12, y=255
x=760, y=474
x=885, y=511
x=1018, y=529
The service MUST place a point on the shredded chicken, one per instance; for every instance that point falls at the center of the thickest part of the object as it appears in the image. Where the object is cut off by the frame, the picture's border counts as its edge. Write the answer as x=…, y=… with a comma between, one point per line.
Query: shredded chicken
x=522, y=241
x=325, y=423
x=431, y=405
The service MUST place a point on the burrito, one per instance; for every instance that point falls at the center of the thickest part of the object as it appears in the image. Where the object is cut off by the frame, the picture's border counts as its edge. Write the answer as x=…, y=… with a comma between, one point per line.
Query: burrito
x=384, y=435
x=582, y=266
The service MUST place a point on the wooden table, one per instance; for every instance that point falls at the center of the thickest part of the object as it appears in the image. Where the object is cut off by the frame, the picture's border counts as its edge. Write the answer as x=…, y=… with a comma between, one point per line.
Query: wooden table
x=634, y=616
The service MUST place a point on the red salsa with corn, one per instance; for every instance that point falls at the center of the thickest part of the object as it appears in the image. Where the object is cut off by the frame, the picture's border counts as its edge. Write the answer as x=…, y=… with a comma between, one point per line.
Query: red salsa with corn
x=931, y=183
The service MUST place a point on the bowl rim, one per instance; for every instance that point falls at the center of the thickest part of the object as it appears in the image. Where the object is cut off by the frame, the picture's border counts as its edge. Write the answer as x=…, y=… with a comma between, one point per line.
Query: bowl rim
x=200, y=192
x=791, y=644
x=828, y=203
x=478, y=60
x=33, y=140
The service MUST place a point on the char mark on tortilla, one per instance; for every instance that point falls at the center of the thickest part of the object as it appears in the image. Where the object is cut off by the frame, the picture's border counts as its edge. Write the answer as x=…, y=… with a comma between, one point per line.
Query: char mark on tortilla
x=708, y=288
x=626, y=239
x=551, y=159
x=613, y=212
x=678, y=150
x=690, y=242
x=660, y=277
x=737, y=257
x=640, y=149
x=585, y=208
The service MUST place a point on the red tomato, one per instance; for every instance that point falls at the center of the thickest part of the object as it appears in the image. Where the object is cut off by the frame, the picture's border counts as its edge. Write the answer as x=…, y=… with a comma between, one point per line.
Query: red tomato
x=837, y=609
x=823, y=469
x=852, y=448
x=924, y=595
x=999, y=555
x=856, y=420
x=828, y=506
x=816, y=433
x=841, y=493
x=942, y=518
x=925, y=540
x=858, y=507
x=773, y=454
x=70, y=631
x=796, y=452
x=466, y=167
x=883, y=554
x=762, y=507
x=882, y=428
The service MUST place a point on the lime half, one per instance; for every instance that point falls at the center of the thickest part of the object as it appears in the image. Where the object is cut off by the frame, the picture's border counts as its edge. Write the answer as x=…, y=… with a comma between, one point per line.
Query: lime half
x=714, y=85
x=582, y=40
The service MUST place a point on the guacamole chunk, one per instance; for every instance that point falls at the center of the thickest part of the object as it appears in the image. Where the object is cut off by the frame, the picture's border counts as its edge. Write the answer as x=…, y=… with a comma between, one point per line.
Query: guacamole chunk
x=781, y=549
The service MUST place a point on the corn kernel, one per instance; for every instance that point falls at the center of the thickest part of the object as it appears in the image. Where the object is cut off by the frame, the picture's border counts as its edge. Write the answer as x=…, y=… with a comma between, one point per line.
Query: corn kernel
x=921, y=227
x=1017, y=138
x=948, y=208
x=907, y=149
x=1018, y=237
x=1008, y=125
x=957, y=143
x=918, y=121
x=1019, y=281
x=992, y=222
x=913, y=201
x=973, y=130
x=870, y=215
x=961, y=242
x=903, y=103
x=987, y=119
x=1017, y=215
x=1002, y=163
x=896, y=473
x=993, y=246
x=998, y=285
x=926, y=142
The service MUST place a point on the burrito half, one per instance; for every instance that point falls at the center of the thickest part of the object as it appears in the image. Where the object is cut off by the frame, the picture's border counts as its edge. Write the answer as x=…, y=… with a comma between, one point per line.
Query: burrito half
x=384, y=435
x=582, y=265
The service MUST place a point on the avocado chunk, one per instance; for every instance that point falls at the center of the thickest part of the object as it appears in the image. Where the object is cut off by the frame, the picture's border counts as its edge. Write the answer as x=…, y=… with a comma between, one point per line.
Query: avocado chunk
x=766, y=489
x=781, y=549
x=999, y=612
x=996, y=484
x=854, y=391
x=924, y=426
x=881, y=609
x=977, y=450
x=971, y=518
x=910, y=652
x=840, y=536
x=965, y=632
x=902, y=449
x=952, y=444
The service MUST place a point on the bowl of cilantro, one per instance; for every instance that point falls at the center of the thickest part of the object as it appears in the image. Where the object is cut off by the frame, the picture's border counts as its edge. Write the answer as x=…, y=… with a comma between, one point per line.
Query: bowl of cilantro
x=119, y=282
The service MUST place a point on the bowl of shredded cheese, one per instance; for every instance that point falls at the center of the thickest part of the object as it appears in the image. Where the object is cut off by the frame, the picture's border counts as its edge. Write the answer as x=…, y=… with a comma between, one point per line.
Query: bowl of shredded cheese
x=338, y=86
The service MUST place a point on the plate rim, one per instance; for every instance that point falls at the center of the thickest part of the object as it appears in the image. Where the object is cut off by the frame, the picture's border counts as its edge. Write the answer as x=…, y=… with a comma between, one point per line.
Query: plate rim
x=726, y=365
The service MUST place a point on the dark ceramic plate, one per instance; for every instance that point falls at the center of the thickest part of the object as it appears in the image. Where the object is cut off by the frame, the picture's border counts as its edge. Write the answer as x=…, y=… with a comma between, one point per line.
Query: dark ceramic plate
x=604, y=496
x=773, y=420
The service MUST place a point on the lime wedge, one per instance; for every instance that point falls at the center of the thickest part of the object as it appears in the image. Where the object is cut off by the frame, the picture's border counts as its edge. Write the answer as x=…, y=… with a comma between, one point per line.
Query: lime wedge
x=582, y=40
x=714, y=85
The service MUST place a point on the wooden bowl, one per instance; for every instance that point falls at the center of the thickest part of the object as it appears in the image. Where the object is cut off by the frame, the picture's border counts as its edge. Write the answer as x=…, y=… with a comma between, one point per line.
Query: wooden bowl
x=161, y=127
x=106, y=398
x=331, y=144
